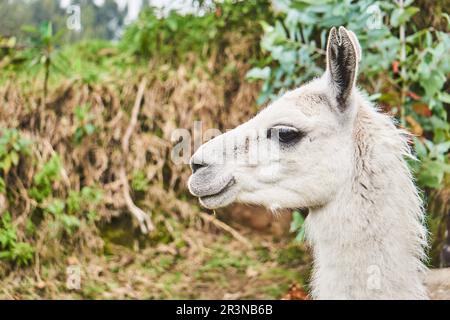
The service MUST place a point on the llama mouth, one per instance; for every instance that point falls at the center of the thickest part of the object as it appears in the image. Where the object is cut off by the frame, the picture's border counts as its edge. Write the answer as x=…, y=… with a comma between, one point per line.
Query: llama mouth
x=222, y=198
x=223, y=190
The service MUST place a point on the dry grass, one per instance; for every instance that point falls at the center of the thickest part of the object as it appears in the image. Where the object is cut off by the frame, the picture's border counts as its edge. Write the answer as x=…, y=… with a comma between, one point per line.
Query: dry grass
x=189, y=254
x=208, y=265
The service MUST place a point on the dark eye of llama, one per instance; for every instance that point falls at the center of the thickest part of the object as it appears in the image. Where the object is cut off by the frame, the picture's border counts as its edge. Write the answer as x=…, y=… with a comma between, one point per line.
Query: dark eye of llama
x=285, y=134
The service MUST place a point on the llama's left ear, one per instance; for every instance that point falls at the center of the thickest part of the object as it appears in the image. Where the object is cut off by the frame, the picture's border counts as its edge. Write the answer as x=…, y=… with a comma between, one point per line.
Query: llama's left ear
x=343, y=55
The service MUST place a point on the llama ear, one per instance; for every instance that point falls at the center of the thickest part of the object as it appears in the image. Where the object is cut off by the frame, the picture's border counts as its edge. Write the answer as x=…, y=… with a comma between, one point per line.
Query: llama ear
x=343, y=55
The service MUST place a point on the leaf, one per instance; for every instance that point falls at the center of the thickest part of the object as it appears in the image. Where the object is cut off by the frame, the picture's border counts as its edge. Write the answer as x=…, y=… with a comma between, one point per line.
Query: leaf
x=395, y=66
x=444, y=97
x=401, y=15
x=413, y=95
x=78, y=135
x=447, y=17
x=6, y=219
x=89, y=128
x=258, y=73
x=14, y=157
x=422, y=109
x=297, y=221
x=442, y=147
x=432, y=173
x=6, y=164
x=5, y=255
x=29, y=29
x=374, y=97
x=301, y=235
x=70, y=223
x=56, y=207
x=420, y=148
x=22, y=253
x=172, y=24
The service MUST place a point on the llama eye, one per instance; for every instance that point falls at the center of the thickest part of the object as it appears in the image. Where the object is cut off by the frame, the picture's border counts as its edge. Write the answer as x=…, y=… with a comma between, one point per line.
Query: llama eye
x=284, y=134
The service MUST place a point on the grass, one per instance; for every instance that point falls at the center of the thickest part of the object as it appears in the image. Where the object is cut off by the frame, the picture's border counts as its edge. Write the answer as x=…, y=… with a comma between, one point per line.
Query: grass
x=213, y=266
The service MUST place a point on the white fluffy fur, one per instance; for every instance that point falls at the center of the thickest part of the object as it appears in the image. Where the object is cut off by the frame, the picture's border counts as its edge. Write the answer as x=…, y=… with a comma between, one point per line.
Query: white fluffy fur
x=373, y=229
x=365, y=224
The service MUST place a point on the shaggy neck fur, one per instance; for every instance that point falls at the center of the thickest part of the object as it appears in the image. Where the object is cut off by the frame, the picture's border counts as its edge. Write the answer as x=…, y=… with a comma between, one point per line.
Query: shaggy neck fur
x=368, y=243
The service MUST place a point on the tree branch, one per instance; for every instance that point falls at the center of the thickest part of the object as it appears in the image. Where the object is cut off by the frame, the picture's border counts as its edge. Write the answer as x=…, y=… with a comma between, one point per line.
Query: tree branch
x=221, y=225
x=142, y=217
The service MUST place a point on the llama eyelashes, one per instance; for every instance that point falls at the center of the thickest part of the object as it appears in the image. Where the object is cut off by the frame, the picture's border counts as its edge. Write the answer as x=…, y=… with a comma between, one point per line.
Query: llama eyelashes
x=286, y=135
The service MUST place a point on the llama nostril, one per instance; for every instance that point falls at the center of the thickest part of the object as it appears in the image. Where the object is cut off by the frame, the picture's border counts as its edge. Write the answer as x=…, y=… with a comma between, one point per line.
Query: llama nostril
x=196, y=166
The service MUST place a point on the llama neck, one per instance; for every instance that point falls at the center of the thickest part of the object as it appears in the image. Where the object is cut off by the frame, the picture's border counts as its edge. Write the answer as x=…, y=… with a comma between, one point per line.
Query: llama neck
x=368, y=242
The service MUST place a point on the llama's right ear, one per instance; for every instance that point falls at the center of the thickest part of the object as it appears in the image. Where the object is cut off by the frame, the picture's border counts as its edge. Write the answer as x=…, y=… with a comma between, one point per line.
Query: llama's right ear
x=343, y=55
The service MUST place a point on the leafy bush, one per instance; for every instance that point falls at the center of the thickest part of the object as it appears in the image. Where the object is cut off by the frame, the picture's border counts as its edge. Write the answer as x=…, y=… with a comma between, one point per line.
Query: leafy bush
x=171, y=38
x=11, y=249
x=139, y=181
x=12, y=145
x=47, y=205
x=85, y=127
x=44, y=179
x=404, y=67
x=43, y=52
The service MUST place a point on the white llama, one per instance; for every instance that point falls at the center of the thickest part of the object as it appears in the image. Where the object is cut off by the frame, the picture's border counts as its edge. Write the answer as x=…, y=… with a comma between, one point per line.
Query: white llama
x=324, y=147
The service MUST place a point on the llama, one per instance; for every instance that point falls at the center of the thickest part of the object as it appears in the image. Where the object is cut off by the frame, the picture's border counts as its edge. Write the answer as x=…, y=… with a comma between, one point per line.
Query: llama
x=324, y=147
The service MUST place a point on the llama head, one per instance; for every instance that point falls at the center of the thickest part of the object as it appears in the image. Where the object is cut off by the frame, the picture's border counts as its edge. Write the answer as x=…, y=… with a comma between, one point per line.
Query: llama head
x=297, y=152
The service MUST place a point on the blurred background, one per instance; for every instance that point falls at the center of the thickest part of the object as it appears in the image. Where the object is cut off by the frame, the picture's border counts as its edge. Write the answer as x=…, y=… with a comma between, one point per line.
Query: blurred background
x=91, y=91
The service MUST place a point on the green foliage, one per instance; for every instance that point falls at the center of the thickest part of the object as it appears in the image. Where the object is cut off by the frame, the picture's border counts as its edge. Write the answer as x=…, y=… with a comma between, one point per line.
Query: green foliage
x=65, y=211
x=83, y=202
x=43, y=51
x=139, y=181
x=79, y=206
x=2, y=185
x=292, y=254
x=173, y=37
x=69, y=223
x=20, y=253
x=12, y=145
x=43, y=180
x=8, y=234
x=11, y=59
x=95, y=60
x=98, y=22
x=298, y=225
x=434, y=165
x=411, y=85
x=222, y=259
x=85, y=127
x=296, y=42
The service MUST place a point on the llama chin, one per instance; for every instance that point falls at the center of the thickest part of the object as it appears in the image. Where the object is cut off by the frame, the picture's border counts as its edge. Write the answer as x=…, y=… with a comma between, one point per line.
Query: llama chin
x=324, y=147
